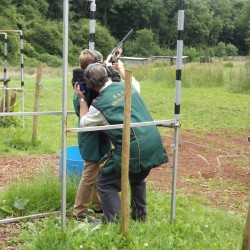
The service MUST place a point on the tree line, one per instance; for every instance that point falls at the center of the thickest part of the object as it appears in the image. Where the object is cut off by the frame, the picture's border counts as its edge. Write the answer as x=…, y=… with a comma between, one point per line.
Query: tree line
x=212, y=27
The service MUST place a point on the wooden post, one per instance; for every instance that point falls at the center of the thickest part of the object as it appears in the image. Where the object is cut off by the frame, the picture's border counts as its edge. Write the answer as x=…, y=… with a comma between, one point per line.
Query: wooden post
x=36, y=100
x=246, y=237
x=125, y=155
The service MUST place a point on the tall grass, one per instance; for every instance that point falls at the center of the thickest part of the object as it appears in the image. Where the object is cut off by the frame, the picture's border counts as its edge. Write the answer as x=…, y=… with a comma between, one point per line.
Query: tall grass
x=40, y=193
x=242, y=74
x=196, y=227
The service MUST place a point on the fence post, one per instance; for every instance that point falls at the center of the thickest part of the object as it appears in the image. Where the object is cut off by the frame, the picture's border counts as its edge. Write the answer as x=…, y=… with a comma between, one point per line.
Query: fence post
x=36, y=100
x=125, y=155
x=246, y=237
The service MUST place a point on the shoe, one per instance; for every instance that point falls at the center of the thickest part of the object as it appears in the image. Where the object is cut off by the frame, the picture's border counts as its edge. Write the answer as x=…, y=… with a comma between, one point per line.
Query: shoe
x=84, y=216
x=91, y=219
x=138, y=215
x=98, y=211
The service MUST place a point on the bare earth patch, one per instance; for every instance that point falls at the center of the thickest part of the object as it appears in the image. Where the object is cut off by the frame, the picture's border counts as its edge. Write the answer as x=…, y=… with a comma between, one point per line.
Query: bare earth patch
x=214, y=165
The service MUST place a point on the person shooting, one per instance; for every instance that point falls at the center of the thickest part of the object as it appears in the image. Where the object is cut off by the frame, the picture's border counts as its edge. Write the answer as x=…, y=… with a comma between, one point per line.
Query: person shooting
x=146, y=148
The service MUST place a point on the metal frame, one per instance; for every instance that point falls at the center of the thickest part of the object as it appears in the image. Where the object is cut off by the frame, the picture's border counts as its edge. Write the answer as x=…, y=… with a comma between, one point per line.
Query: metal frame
x=21, y=64
x=4, y=66
x=92, y=25
x=166, y=123
x=175, y=124
x=177, y=103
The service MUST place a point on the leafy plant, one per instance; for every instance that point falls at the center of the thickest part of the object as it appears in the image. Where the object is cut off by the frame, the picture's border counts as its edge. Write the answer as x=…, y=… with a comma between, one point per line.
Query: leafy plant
x=9, y=121
x=195, y=228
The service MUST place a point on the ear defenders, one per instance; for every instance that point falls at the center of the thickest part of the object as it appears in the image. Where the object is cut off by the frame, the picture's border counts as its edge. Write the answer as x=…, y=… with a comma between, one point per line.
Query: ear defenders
x=90, y=66
x=96, y=55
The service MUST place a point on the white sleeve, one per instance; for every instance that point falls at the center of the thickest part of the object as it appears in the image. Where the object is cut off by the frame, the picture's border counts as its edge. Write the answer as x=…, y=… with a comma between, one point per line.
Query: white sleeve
x=136, y=84
x=93, y=118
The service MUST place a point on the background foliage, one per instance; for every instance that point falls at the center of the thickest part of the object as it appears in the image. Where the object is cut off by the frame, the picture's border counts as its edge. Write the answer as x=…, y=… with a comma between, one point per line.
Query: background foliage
x=215, y=28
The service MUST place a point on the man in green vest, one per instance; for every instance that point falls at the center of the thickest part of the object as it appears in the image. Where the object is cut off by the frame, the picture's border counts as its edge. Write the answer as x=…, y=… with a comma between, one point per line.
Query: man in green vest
x=146, y=148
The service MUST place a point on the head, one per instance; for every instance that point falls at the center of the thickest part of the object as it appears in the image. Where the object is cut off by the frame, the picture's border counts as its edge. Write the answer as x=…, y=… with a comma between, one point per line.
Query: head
x=96, y=75
x=89, y=56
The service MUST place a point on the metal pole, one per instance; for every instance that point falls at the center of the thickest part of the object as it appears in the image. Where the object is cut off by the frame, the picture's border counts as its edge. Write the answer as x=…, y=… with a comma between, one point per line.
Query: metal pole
x=35, y=113
x=177, y=102
x=167, y=123
x=4, y=67
x=21, y=57
x=21, y=52
x=22, y=67
x=5, y=58
x=22, y=70
x=92, y=25
x=64, y=110
x=33, y=216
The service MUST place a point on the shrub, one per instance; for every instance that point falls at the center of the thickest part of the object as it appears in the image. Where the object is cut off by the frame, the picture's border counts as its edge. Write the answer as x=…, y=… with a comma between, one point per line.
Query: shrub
x=191, y=53
x=29, y=49
x=220, y=49
x=231, y=50
x=30, y=62
x=50, y=60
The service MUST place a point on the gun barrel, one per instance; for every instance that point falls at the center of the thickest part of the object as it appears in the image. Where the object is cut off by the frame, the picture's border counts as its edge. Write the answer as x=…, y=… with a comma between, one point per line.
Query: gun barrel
x=124, y=39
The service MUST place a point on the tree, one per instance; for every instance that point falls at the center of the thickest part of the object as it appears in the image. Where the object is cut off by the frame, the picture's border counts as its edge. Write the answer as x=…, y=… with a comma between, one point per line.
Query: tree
x=198, y=23
x=242, y=34
x=144, y=44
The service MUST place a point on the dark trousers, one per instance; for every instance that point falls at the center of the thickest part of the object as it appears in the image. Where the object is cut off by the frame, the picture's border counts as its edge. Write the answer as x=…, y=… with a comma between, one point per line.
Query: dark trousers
x=109, y=185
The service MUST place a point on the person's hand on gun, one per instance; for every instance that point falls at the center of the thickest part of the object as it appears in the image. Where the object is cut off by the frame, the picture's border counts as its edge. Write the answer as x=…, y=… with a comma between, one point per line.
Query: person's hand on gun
x=110, y=59
x=118, y=53
x=119, y=67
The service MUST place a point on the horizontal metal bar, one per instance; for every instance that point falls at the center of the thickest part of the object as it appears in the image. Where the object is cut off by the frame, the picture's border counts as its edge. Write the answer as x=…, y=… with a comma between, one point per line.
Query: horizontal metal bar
x=5, y=88
x=33, y=216
x=34, y=113
x=164, y=123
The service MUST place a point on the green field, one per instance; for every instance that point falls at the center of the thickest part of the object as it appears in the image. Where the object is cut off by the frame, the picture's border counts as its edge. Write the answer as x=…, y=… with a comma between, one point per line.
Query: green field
x=205, y=105
x=213, y=97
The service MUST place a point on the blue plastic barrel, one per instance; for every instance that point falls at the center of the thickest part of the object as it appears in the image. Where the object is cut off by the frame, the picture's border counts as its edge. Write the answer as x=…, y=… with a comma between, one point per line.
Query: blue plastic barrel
x=74, y=162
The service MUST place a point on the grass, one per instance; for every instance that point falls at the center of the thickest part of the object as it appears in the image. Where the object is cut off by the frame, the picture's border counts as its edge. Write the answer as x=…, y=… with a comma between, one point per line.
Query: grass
x=207, y=103
x=40, y=193
x=195, y=226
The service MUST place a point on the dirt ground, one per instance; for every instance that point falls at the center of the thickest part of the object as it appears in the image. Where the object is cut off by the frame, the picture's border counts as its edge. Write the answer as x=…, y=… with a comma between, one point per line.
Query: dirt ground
x=214, y=165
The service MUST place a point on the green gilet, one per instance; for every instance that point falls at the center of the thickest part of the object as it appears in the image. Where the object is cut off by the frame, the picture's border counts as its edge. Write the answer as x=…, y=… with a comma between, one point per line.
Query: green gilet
x=146, y=148
x=92, y=145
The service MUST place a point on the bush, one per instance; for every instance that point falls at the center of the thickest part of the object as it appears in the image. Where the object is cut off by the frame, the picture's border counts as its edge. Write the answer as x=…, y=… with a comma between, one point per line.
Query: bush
x=231, y=50
x=191, y=53
x=29, y=49
x=52, y=61
x=220, y=49
x=30, y=62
